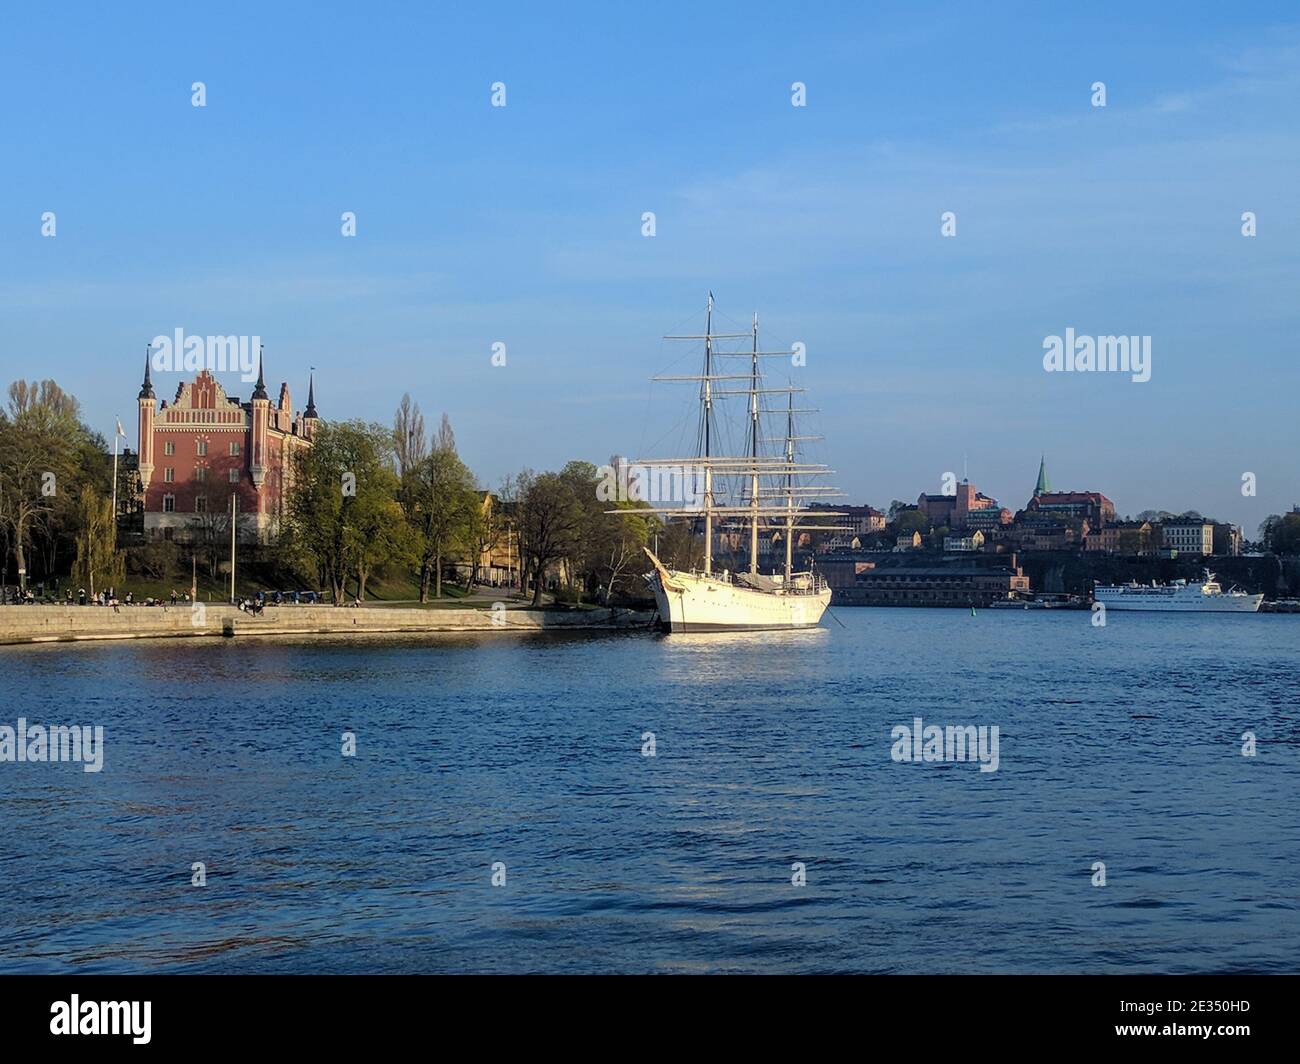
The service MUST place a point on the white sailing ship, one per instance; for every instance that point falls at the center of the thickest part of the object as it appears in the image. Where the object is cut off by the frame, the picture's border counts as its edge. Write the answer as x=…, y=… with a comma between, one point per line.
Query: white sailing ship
x=763, y=490
x=1201, y=596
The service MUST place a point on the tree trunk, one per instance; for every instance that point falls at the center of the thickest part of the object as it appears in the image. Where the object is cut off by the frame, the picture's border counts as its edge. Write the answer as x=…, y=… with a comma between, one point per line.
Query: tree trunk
x=537, y=584
x=437, y=575
x=424, y=582
x=22, y=564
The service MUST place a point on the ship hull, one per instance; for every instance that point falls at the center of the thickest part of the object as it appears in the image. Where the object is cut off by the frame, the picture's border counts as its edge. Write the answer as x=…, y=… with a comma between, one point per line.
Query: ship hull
x=694, y=603
x=1200, y=604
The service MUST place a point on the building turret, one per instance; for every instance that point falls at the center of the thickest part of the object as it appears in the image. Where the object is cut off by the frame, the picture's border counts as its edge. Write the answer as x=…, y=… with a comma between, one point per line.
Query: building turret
x=310, y=419
x=146, y=401
x=259, y=392
x=146, y=389
x=311, y=399
x=261, y=413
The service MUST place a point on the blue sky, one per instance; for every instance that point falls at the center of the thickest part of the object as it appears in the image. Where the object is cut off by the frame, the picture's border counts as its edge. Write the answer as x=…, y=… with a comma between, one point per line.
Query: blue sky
x=523, y=224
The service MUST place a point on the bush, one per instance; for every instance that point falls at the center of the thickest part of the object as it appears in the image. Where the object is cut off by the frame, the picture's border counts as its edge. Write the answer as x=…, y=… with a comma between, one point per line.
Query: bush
x=156, y=560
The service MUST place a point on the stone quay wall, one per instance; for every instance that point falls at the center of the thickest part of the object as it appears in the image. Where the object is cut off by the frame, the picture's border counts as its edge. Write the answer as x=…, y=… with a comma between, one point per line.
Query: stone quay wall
x=56, y=624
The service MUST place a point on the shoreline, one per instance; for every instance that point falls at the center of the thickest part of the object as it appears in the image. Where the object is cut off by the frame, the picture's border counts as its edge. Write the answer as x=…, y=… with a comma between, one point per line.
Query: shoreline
x=29, y=625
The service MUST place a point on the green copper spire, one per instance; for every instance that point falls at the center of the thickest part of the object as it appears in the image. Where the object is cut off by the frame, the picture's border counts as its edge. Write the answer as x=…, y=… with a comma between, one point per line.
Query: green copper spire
x=1043, y=483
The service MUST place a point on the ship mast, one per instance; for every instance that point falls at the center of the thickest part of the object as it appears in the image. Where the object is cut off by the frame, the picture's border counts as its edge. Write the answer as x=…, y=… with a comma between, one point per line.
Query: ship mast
x=789, y=488
x=708, y=411
x=776, y=502
x=753, y=452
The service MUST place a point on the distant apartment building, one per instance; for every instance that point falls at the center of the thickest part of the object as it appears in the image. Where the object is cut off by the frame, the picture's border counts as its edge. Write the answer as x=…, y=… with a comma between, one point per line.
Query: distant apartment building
x=861, y=519
x=972, y=542
x=988, y=519
x=912, y=542
x=850, y=524
x=1227, y=539
x=1123, y=537
x=1188, y=536
x=1047, y=536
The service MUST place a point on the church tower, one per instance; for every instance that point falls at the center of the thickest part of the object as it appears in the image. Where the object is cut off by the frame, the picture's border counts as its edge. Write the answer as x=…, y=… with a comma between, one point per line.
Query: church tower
x=1044, y=485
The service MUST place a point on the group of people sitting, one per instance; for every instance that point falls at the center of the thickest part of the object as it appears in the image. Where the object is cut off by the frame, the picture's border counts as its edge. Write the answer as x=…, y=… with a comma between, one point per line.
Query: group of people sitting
x=109, y=597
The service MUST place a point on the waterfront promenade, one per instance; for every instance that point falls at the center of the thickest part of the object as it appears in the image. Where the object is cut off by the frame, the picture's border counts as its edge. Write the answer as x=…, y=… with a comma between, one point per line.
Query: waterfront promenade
x=55, y=624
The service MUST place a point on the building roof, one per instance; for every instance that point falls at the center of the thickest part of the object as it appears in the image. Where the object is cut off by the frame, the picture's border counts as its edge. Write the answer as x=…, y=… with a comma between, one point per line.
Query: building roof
x=146, y=389
x=260, y=391
x=1061, y=498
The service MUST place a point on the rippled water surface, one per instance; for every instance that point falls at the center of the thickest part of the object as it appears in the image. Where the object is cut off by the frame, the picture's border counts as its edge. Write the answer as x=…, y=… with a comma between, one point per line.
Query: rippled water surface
x=1120, y=744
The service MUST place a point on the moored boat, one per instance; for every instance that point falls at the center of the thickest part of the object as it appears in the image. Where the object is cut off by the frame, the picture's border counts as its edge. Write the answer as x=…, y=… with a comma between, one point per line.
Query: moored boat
x=1180, y=596
x=763, y=490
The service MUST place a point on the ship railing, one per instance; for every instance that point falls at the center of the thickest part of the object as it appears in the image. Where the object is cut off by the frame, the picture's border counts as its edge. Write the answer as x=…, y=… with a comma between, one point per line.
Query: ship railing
x=808, y=583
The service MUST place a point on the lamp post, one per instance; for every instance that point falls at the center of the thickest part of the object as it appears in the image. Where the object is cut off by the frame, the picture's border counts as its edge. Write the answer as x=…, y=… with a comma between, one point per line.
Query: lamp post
x=234, y=518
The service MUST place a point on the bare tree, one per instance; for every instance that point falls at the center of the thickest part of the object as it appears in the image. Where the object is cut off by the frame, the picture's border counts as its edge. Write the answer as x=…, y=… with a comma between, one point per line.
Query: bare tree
x=410, y=444
x=446, y=438
x=211, y=536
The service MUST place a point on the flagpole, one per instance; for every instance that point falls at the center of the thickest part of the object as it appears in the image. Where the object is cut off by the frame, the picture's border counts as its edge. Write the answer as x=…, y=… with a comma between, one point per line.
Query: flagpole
x=114, y=516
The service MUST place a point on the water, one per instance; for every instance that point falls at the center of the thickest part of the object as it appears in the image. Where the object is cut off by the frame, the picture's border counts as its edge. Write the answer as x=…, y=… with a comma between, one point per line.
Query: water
x=1119, y=744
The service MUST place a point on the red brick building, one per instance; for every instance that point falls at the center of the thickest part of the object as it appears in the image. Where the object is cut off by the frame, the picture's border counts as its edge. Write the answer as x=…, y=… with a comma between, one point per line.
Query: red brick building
x=1069, y=507
x=1090, y=506
x=952, y=510
x=205, y=447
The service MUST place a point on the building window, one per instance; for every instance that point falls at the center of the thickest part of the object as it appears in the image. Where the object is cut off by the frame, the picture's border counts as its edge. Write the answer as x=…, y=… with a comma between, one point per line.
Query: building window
x=202, y=446
x=169, y=504
x=234, y=448
x=200, y=504
x=169, y=447
x=201, y=473
x=234, y=476
x=169, y=475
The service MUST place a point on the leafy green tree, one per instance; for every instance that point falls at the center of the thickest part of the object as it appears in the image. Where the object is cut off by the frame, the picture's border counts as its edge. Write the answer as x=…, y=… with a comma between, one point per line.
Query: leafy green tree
x=908, y=521
x=1280, y=533
x=551, y=520
x=380, y=535
x=98, y=563
x=42, y=454
x=442, y=507
x=624, y=537
x=584, y=555
x=343, y=505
